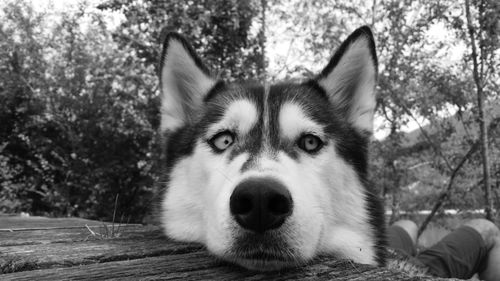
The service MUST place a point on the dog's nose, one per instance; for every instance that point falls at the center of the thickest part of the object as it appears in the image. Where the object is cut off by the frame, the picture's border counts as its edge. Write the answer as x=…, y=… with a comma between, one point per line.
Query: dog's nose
x=260, y=204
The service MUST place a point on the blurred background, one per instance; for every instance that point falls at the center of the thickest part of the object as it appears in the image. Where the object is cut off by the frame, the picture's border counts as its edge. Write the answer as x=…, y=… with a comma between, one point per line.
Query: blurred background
x=79, y=95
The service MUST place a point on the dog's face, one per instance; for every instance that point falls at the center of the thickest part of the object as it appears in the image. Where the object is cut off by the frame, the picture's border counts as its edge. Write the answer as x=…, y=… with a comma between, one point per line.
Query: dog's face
x=271, y=176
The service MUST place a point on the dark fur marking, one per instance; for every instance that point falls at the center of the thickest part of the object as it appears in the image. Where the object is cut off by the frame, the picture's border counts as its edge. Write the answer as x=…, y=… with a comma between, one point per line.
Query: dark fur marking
x=252, y=142
x=377, y=221
x=180, y=143
x=219, y=87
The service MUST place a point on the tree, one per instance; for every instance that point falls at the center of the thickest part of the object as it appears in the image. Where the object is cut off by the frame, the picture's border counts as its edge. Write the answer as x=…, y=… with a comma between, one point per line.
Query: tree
x=78, y=130
x=220, y=31
x=81, y=103
x=418, y=85
x=486, y=33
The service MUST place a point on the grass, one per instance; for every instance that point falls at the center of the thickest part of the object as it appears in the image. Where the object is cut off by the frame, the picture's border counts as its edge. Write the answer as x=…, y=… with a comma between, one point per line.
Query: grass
x=107, y=231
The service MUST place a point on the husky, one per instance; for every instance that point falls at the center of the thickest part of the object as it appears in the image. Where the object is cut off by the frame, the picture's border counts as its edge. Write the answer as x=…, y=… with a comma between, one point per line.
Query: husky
x=271, y=176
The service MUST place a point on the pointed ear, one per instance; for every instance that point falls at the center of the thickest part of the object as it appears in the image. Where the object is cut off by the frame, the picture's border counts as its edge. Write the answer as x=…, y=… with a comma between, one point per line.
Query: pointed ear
x=350, y=77
x=184, y=81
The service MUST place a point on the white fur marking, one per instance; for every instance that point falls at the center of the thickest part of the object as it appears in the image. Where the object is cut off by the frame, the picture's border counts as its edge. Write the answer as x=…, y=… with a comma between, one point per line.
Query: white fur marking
x=240, y=115
x=294, y=122
x=182, y=214
x=351, y=244
x=195, y=207
x=347, y=232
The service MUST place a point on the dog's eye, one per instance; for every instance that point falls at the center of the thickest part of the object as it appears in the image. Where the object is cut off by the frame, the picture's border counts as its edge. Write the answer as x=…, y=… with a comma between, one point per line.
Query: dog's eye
x=222, y=141
x=310, y=143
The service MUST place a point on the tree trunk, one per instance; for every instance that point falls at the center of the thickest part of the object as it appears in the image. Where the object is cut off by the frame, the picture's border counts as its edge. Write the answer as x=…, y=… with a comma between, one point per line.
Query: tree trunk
x=262, y=39
x=478, y=80
x=395, y=206
x=396, y=194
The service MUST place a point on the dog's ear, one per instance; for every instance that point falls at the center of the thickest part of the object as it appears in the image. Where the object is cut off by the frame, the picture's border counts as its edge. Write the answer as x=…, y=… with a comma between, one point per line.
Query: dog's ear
x=184, y=81
x=350, y=77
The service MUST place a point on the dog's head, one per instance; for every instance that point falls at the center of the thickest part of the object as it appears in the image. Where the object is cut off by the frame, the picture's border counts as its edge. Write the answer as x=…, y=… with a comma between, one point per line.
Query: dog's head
x=271, y=176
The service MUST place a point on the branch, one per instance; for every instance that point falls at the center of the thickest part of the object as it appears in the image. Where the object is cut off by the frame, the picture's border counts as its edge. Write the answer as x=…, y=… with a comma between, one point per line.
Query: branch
x=424, y=133
x=286, y=58
x=446, y=193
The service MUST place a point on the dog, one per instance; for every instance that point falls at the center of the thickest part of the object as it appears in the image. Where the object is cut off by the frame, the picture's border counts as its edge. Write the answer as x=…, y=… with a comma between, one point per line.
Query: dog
x=272, y=176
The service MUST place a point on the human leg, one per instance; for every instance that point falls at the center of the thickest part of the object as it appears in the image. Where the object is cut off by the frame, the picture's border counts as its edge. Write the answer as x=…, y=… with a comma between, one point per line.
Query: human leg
x=463, y=252
x=490, y=270
x=402, y=236
x=488, y=230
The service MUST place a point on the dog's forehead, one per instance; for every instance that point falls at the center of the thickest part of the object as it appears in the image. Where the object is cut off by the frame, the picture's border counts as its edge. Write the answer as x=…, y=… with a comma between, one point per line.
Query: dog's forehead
x=274, y=112
x=308, y=96
x=223, y=94
x=305, y=101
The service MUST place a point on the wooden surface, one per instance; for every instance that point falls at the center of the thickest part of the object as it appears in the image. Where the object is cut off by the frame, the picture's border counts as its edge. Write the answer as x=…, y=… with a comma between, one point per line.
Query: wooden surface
x=37, y=248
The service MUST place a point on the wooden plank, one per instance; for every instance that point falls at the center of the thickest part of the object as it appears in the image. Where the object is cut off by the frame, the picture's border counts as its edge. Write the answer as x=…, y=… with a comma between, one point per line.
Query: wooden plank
x=21, y=223
x=28, y=257
x=200, y=266
x=61, y=249
x=66, y=235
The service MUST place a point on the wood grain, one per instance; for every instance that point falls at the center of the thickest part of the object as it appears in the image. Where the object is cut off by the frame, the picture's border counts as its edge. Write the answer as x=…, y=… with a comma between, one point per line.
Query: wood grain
x=201, y=266
x=17, y=223
x=36, y=248
x=60, y=235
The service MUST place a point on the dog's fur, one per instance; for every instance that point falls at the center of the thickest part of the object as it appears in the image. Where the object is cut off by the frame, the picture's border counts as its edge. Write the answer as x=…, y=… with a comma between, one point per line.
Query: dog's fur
x=335, y=210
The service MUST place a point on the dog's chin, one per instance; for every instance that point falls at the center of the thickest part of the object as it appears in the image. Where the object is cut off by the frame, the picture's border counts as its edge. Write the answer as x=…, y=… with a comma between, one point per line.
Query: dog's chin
x=270, y=251
x=265, y=256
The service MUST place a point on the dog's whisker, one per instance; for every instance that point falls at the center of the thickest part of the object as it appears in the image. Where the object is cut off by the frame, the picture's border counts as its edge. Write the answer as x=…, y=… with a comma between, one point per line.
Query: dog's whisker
x=218, y=169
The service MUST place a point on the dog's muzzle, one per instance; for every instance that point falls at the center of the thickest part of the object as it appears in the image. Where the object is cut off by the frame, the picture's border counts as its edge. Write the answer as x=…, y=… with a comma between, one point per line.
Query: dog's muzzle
x=261, y=204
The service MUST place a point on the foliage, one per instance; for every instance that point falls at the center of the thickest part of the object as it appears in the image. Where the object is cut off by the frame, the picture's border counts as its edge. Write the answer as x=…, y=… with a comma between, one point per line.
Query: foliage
x=80, y=104
x=77, y=126
x=79, y=99
x=225, y=33
x=419, y=86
